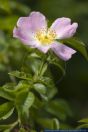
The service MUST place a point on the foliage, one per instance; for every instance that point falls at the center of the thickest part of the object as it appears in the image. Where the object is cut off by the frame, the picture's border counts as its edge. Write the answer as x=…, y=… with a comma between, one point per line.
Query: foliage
x=84, y=123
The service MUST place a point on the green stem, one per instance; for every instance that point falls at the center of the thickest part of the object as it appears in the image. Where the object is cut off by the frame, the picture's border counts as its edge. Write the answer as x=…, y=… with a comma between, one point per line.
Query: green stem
x=43, y=63
x=12, y=78
x=40, y=72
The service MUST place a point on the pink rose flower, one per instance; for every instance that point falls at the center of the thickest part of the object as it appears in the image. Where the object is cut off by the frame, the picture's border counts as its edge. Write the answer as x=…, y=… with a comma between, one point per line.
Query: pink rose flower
x=33, y=31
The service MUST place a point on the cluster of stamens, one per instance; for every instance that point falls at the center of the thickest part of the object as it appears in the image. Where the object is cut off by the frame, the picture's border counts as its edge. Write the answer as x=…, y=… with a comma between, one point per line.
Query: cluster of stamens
x=45, y=37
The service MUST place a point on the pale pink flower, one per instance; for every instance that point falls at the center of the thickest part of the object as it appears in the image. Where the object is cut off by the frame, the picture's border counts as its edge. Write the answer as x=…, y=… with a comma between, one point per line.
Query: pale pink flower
x=33, y=31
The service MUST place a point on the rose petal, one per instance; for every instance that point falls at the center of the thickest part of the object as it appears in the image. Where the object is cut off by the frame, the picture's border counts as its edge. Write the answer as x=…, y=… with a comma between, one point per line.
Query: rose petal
x=37, y=21
x=63, y=28
x=29, y=41
x=43, y=48
x=24, y=22
x=34, y=22
x=68, y=31
x=25, y=37
x=62, y=51
x=28, y=26
x=59, y=24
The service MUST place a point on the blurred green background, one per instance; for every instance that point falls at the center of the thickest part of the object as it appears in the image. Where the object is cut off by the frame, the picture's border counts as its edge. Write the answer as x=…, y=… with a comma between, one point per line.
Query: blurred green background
x=74, y=86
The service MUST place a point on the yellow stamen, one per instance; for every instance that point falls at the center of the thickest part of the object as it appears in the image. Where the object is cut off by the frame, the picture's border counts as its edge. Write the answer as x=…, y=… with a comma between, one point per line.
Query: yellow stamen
x=45, y=38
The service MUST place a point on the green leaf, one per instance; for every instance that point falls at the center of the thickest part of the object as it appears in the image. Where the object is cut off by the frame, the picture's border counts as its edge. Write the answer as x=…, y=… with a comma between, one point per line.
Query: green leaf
x=49, y=83
x=7, y=130
x=83, y=120
x=3, y=127
x=9, y=127
x=6, y=93
x=56, y=124
x=82, y=126
x=29, y=101
x=22, y=130
x=40, y=88
x=65, y=126
x=8, y=114
x=77, y=45
x=34, y=55
x=21, y=75
x=9, y=87
x=6, y=110
x=34, y=64
x=59, y=108
x=23, y=85
x=48, y=123
x=24, y=100
x=38, y=104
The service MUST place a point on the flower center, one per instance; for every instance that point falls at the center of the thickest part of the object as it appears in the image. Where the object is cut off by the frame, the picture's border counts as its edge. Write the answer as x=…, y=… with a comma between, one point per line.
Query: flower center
x=45, y=38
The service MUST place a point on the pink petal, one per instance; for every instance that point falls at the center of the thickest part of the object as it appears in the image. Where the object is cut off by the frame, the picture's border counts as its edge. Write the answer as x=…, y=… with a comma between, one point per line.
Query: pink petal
x=43, y=48
x=29, y=41
x=63, y=28
x=23, y=22
x=34, y=22
x=59, y=24
x=68, y=31
x=38, y=21
x=25, y=37
x=28, y=26
x=62, y=51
